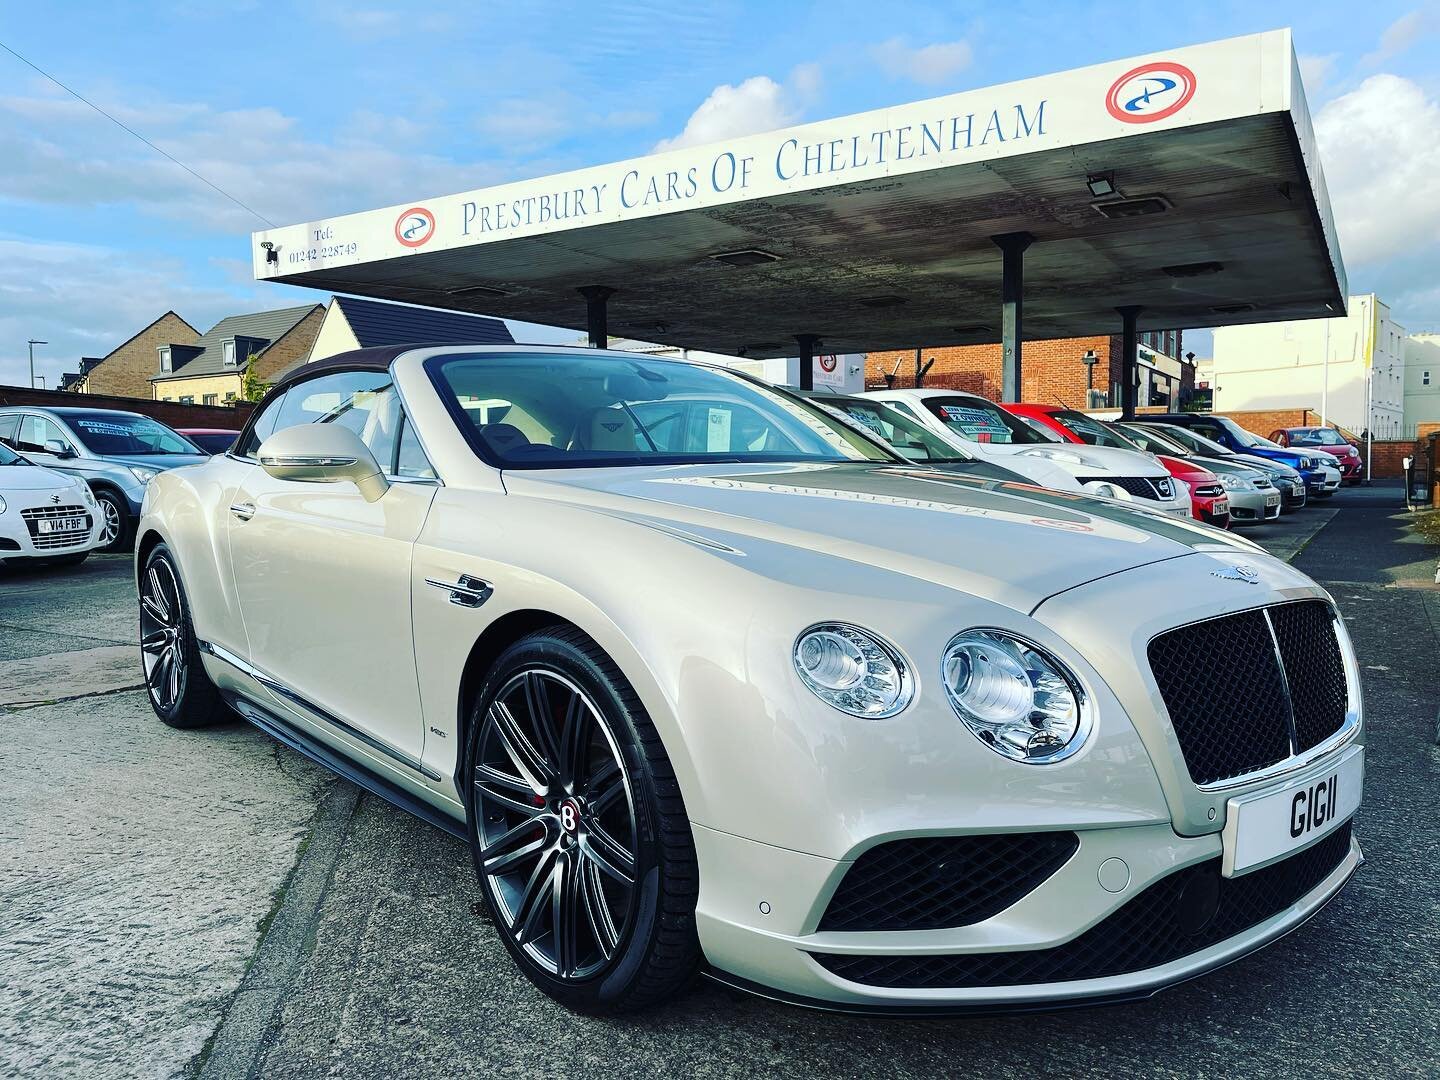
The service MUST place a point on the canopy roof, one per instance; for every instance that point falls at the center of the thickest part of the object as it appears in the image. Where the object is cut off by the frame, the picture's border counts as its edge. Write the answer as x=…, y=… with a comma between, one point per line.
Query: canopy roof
x=874, y=230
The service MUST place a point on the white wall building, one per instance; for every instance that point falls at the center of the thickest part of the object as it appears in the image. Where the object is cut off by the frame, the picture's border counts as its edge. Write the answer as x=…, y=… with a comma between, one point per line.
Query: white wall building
x=1422, y=381
x=1281, y=365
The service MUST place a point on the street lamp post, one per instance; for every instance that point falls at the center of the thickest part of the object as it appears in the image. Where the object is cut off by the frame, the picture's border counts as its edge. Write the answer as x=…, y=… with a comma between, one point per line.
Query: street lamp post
x=32, y=343
x=1089, y=360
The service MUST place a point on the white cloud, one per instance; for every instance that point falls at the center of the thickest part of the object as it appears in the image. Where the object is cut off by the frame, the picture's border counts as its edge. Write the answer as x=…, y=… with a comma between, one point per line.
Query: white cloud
x=59, y=152
x=1400, y=35
x=931, y=65
x=757, y=104
x=1380, y=145
x=1315, y=70
x=84, y=300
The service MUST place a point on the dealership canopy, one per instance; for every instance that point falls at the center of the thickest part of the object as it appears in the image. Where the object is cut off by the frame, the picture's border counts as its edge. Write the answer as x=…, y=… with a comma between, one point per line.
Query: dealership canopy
x=1183, y=187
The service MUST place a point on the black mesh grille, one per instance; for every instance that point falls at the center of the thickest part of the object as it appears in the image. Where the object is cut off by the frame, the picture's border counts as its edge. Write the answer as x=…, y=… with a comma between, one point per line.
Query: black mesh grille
x=1230, y=707
x=932, y=882
x=1314, y=669
x=1224, y=693
x=1181, y=914
x=1140, y=486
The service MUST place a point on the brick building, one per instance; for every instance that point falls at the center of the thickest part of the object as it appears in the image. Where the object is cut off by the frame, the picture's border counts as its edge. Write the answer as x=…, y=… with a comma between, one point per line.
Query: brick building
x=1052, y=372
x=211, y=369
x=125, y=371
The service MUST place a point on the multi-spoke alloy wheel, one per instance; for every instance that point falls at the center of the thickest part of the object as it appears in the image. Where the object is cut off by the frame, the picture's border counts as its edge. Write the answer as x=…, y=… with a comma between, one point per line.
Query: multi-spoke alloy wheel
x=161, y=647
x=556, y=824
x=115, y=521
x=577, y=828
x=180, y=692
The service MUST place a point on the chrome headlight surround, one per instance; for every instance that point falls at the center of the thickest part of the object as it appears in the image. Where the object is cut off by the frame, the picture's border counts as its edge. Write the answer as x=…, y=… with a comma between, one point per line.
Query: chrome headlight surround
x=1026, y=705
x=853, y=670
x=1232, y=481
x=142, y=474
x=2, y=504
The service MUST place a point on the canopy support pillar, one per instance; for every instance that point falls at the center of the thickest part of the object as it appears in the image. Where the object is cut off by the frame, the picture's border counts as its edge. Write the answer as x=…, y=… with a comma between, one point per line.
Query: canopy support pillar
x=807, y=344
x=596, y=313
x=1012, y=309
x=1129, y=358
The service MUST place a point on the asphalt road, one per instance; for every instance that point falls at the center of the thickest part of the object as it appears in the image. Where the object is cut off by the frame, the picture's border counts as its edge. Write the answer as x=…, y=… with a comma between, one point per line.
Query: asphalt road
x=158, y=889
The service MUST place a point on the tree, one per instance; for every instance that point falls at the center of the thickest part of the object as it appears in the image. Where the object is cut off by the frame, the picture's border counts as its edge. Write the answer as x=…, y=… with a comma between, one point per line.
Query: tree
x=252, y=387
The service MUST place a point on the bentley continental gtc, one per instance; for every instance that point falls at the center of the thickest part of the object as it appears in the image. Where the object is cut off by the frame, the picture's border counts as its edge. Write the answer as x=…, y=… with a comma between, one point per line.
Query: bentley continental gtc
x=712, y=682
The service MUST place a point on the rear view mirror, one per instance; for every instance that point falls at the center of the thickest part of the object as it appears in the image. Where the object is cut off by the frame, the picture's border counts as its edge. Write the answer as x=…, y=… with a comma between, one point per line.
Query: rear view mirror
x=323, y=454
x=59, y=448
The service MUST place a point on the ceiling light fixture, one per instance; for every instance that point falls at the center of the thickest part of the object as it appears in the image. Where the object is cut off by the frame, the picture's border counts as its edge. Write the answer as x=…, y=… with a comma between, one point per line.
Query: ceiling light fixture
x=1196, y=269
x=746, y=257
x=1101, y=184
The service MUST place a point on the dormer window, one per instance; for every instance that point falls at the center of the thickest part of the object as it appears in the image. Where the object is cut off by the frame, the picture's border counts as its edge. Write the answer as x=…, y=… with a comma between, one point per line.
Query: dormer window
x=230, y=354
x=165, y=358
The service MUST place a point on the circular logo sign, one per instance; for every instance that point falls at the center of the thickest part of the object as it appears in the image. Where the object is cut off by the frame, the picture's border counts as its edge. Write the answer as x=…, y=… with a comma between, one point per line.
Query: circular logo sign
x=415, y=226
x=827, y=363
x=569, y=815
x=1150, y=92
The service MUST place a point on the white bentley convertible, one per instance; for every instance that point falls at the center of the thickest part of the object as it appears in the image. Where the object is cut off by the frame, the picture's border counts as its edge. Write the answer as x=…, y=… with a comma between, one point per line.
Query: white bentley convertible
x=710, y=681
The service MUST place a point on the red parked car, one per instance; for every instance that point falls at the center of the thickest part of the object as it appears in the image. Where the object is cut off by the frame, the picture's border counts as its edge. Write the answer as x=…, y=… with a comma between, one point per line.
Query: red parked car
x=1207, y=495
x=1328, y=440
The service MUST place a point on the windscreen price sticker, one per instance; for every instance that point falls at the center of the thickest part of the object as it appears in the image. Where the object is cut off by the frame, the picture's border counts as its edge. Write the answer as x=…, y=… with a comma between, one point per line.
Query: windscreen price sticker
x=973, y=421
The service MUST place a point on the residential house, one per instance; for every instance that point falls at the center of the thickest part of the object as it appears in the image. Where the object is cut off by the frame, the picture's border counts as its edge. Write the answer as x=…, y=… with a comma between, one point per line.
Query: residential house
x=211, y=370
x=1422, y=381
x=352, y=323
x=125, y=371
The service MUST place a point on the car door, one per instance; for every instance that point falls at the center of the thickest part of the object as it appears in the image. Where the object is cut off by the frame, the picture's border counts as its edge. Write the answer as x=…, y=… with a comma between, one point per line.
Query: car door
x=323, y=578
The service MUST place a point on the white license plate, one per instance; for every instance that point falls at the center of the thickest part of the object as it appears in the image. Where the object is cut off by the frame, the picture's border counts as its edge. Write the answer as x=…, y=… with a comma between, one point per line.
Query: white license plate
x=61, y=525
x=1267, y=826
x=1220, y=506
x=1272, y=500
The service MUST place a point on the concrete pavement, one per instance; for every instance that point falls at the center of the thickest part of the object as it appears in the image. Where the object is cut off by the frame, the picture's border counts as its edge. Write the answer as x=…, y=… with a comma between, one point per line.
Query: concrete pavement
x=140, y=870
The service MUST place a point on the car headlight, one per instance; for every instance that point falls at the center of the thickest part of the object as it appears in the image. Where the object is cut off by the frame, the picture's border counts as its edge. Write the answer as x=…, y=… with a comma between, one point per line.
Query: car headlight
x=853, y=670
x=1231, y=481
x=1105, y=491
x=86, y=493
x=2, y=504
x=1017, y=699
x=141, y=473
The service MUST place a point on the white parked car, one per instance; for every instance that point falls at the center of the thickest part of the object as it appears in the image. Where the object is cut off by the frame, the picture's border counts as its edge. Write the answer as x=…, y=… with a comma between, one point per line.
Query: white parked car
x=985, y=429
x=45, y=516
x=709, y=680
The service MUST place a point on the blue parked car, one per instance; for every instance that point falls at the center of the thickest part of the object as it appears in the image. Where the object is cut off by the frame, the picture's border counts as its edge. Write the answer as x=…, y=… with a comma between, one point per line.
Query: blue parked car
x=1320, y=471
x=115, y=452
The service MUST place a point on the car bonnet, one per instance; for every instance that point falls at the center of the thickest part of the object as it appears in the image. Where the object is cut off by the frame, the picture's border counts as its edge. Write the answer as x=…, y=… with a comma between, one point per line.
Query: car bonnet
x=1011, y=543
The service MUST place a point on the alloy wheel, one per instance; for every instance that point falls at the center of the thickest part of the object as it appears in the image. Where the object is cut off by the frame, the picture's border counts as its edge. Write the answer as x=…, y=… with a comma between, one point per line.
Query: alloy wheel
x=557, y=826
x=111, y=513
x=162, y=645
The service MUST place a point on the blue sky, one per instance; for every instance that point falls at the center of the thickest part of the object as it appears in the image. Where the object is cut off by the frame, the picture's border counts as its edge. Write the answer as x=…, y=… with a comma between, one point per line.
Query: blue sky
x=313, y=109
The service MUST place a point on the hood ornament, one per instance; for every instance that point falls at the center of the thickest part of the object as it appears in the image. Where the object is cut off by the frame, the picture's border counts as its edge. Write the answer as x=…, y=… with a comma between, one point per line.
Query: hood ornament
x=1239, y=572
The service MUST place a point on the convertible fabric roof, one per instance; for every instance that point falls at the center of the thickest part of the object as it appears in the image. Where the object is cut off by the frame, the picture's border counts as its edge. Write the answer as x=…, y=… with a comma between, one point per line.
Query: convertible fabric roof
x=875, y=231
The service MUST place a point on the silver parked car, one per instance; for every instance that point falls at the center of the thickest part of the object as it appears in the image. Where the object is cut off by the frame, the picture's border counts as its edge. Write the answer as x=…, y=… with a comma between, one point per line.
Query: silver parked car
x=1253, y=498
x=115, y=452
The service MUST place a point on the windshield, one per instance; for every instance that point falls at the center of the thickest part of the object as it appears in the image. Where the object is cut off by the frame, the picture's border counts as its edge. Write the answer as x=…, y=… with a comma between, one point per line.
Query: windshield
x=980, y=421
x=1092, y=431
x=1315, y=437
x=108, y=434
x=1198, y=444
x=1243, y=437
x=905, y=436
x=568, y=410
x=214, y=442
x=9, y=457
x=1147, y=438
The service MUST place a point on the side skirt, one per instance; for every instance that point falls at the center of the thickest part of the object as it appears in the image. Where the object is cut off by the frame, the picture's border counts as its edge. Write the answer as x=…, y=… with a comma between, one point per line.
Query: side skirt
x=353, y=771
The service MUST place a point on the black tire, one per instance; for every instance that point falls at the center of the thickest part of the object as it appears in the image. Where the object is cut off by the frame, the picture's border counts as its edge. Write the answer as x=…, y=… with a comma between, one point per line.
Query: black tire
x=116, y=513
x=653, y=950
x=180, y=692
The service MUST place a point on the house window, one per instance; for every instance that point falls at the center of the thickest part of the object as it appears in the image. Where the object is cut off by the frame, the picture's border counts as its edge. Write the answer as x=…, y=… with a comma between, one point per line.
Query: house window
x=1424, y=378
x=229, y=396
x=187, y=399
x=211, y=399
x=165, y=358
x=229, y=354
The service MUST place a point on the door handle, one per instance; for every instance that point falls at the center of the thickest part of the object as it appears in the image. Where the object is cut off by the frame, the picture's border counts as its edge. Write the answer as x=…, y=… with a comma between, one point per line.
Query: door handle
x=243, y=511
x=467, y=592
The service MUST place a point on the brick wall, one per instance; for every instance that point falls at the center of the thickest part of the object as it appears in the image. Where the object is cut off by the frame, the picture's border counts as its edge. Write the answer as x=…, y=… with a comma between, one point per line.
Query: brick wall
x=1426, y=430
x=1263, y=421
x=126, y=371
x=289, y=349
x=1050, y=372
x=167, y=412
x=1386, y=457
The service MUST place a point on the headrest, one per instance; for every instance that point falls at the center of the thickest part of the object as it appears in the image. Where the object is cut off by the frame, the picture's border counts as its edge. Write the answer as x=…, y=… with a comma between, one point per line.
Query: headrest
x=504, y=437
x=611, y=429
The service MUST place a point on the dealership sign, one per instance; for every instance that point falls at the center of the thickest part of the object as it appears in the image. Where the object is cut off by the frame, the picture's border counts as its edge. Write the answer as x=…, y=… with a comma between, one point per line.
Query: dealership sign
x=1199, y=85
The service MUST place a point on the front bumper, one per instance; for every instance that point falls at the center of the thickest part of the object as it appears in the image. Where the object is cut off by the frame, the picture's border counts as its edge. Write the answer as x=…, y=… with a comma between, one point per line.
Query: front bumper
x=1251, y=507
x=20, y=535
x=757, y=930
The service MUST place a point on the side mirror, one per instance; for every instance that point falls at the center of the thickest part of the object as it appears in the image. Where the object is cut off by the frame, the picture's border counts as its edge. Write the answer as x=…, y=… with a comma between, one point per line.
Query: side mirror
x=59, y=448
x=323, y=454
